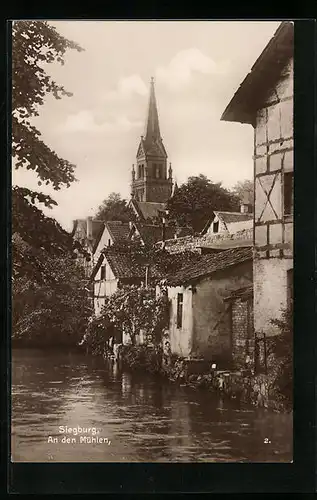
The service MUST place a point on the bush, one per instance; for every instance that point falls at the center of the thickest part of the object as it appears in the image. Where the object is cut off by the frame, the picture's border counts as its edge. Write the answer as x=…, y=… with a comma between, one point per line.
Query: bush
x=142, y=357
x=280, y=359
x=129, y=310
x=53, y=312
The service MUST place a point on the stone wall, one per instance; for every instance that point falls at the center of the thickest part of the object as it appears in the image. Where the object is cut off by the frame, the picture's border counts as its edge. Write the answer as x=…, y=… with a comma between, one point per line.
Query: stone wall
x=199, y=373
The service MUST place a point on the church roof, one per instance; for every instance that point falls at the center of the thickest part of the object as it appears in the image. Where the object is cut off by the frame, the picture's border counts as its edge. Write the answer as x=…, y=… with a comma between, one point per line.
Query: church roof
x=147, y=209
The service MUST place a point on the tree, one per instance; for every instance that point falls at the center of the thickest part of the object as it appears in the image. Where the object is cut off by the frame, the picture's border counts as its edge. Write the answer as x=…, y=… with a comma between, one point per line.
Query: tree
x=130, y=309
x=35, y=43
x=54, y=311
x=114, y=208
x=50, y=304
x=245, y=191
x=194, y=201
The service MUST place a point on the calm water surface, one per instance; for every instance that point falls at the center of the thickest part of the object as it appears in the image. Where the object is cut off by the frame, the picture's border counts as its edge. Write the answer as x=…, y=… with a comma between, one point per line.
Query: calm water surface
x=144, y=418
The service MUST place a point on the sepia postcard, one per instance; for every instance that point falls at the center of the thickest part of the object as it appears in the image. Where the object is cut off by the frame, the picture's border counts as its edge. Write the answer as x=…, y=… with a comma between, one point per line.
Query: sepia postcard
x=152, y=241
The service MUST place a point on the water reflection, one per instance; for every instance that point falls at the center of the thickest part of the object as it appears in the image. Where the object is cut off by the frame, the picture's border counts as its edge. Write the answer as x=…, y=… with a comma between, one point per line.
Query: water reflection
x=146, y=419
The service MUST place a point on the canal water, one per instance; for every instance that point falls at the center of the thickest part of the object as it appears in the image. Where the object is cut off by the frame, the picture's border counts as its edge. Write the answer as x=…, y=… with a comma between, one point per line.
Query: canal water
x=62, y=403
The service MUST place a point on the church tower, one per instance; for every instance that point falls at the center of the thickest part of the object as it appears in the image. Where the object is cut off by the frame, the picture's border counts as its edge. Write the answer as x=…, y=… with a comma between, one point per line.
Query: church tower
x=151, y=181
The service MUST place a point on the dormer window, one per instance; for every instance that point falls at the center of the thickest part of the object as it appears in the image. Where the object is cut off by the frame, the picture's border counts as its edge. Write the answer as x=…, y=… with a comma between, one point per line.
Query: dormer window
x=216, y=227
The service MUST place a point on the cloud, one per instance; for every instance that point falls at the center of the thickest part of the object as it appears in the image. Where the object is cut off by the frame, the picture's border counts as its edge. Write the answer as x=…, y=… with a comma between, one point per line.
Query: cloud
x=89, y=122
x=184, y=64
x=126, y=88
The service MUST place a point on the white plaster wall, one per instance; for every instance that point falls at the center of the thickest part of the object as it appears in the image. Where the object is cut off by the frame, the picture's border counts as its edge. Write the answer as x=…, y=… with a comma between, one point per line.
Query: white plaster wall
x=105, y=287
x=221, y=229
x=181, y=338
x=270, y=291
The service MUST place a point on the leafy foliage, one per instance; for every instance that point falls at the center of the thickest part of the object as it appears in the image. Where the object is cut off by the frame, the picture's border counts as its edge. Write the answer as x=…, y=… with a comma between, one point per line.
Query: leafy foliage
x=34, y=45
x=245, y=191
x=53, y=312
x=114, y=208
x=195, y=200
x=130, y=309
x=49, y=300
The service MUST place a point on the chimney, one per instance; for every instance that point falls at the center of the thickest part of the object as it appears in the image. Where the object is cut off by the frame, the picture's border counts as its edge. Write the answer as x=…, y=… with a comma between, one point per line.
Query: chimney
x=89, y=228
x=244, y=208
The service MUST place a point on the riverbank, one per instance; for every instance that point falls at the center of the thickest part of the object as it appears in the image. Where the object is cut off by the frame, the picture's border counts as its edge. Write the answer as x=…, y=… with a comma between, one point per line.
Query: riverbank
x=238, y=384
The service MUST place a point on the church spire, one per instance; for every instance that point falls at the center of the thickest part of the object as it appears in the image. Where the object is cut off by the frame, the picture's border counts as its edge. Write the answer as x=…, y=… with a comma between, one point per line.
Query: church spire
x=152, y=128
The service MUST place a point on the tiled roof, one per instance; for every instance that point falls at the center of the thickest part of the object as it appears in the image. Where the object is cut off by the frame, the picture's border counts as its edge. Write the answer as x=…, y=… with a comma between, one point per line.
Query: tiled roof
x=264, y=73
x=209, y=264
x=122, y=266
x=231, y=217
x=227, y=244
x=148, y=209
x=118, y=230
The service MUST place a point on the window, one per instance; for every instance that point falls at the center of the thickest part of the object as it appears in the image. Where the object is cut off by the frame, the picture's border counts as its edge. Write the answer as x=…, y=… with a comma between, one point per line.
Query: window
x=179, y=310
x=141, y=171
x=290, y=288
x=216, y=227
x=109, y=243
x=158, y=171
x=288, y=193
x=103, y=272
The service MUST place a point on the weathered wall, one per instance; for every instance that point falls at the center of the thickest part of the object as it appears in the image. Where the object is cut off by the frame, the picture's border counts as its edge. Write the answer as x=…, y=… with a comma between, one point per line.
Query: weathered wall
x=273, y=233
x=211, y=315
x=181, y=338
x=270, y=291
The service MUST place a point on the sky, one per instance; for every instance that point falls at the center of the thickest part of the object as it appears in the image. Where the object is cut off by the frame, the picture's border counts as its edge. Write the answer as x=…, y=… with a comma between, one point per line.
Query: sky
x=197, y=67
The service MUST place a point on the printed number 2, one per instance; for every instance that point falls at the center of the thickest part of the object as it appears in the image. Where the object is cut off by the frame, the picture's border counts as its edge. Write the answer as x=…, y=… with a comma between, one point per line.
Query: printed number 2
x=266, y=440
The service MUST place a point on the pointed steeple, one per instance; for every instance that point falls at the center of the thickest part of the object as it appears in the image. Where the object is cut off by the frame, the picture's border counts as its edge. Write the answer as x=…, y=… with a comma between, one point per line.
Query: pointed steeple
x=152, y=127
